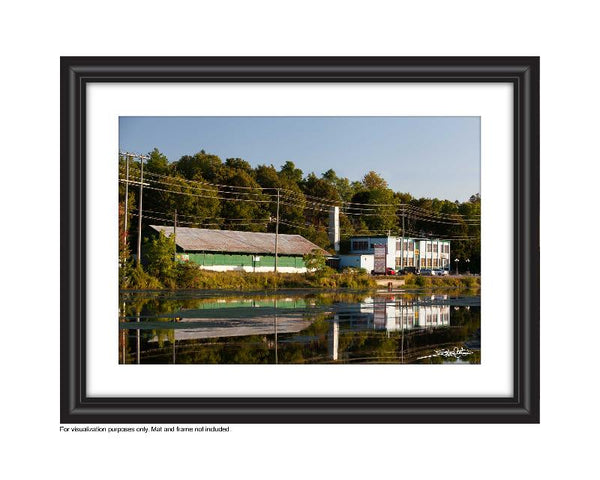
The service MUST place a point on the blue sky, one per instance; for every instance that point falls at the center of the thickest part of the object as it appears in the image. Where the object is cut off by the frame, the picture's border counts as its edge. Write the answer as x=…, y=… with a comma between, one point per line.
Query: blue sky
x=424, y=156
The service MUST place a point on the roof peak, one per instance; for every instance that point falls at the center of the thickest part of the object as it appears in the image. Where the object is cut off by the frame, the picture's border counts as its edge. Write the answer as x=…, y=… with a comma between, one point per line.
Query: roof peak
x=213, y=240
x=170, y=227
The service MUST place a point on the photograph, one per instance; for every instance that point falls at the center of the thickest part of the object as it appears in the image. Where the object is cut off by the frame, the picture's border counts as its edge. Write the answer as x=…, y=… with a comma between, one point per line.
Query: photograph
x=275, y=234
x=299, y=240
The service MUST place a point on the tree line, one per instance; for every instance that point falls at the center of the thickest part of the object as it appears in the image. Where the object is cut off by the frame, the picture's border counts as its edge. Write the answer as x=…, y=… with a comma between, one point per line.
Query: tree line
x=208, y=192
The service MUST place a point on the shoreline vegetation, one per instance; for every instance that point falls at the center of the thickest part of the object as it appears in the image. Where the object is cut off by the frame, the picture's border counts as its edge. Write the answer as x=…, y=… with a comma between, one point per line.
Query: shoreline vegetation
x=190, y=277
x=426, y=282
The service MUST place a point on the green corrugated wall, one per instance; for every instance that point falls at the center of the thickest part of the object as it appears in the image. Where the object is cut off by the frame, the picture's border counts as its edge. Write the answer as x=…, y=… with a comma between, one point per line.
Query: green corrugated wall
x=235, y=260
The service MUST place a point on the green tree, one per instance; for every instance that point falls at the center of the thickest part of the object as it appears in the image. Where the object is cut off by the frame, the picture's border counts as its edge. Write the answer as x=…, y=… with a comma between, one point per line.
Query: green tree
x=382, y=217
x=195, y=202
x=315, y=261
x=201, y=164
x=157, y=163
x=160, y=257
x=239, y=164
x=244, y=208
x=290, y=172
x=292, y=200
x=345, y=189
x=374, y=181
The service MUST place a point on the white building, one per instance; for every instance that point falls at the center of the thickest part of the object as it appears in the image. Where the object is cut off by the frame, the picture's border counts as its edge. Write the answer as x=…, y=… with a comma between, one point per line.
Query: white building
x=358, y=261
x=420, y=253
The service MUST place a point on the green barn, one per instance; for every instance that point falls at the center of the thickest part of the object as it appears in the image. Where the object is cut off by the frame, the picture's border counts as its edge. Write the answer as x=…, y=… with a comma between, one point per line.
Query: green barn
x=223, y=250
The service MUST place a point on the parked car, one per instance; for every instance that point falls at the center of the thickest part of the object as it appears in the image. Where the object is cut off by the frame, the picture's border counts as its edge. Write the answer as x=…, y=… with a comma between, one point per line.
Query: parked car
x=388, y=271
x=441, y=272
x=428, y=272
x=407, y=270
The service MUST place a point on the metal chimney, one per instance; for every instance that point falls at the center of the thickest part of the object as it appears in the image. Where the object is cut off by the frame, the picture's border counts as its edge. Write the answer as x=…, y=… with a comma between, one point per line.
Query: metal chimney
x=334, y=227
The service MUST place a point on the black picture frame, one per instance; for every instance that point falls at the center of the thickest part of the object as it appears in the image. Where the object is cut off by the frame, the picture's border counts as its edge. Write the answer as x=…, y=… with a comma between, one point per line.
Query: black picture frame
x=521, y=72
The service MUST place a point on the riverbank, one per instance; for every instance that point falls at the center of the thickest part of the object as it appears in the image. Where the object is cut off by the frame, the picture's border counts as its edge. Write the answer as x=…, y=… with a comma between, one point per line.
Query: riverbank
x=427, y=282
x=187, y=277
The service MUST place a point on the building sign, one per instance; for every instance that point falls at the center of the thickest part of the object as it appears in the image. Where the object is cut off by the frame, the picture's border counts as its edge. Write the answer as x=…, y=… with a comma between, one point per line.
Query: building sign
x=380, y=257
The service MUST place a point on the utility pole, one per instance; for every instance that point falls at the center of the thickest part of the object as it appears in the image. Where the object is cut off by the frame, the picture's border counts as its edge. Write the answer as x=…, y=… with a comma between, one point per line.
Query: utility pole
x=402, y=249
x=275, y=327
x=277, y=232
x=141, y=183
x=125, y=233
x=175, y=234
x=139, y=245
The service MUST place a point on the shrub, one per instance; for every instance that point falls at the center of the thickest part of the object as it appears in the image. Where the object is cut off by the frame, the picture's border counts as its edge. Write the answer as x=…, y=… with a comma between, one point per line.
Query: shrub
x=315, y=261
x=141, y=280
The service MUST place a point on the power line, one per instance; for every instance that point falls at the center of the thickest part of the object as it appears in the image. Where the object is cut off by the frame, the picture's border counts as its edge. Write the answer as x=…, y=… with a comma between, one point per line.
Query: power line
x=295, y=195
x=412, y=211
x=411, y=216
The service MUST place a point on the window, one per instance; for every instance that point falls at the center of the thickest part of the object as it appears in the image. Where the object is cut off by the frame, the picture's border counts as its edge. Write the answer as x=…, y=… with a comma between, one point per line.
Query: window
x=435, y=248
x=435, y=263
x=428, y=247
x=360, y=245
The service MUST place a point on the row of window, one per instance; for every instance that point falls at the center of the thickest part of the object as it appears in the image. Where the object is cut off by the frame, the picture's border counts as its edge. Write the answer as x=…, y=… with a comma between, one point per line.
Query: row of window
x=408, y=246
x=433, y=247
x=430, y=247
x=434, y=318
x=363, y=245
x=412, y=254
x=434, y=263
x=360, y=245
x=425, y=263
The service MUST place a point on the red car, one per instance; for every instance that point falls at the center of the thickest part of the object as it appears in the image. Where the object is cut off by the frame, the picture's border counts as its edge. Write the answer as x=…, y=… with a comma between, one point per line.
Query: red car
x=388, y=271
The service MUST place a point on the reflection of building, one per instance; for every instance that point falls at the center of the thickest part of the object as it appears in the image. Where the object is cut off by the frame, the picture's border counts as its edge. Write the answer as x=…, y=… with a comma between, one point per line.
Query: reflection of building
x=399, y=253
x=393, y=315
x=224, y=250
x=225, y=327
x=334, y=339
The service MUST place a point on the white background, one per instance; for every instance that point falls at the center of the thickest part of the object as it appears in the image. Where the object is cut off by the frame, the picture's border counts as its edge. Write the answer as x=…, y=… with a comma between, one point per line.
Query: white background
x=493, y=103
x=33, y=36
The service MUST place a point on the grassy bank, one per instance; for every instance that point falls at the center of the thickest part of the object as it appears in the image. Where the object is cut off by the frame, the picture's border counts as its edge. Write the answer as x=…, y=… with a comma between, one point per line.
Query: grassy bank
x=418, y=281
x=186, y=276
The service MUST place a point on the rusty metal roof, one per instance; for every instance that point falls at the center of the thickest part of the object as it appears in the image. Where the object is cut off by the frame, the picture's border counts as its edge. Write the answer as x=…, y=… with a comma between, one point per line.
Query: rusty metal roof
x=207, y=240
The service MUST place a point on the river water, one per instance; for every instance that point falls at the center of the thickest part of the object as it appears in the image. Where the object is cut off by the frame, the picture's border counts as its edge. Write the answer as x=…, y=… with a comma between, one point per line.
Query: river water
x=295, y=327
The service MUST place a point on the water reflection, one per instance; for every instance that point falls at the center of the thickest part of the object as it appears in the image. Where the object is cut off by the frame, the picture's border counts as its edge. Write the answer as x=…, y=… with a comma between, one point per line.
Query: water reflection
x=205, y=327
